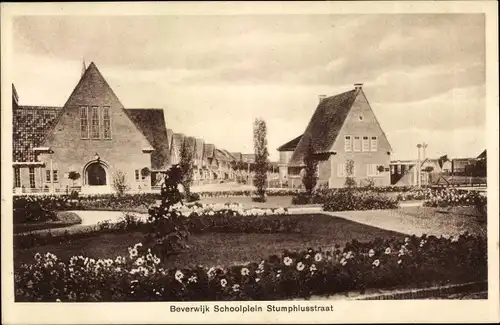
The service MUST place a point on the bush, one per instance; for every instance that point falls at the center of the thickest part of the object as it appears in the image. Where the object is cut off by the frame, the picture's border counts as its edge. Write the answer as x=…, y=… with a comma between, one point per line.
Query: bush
x=346, y=199
x=416, y=261
x=32, y=209
x=168, y=230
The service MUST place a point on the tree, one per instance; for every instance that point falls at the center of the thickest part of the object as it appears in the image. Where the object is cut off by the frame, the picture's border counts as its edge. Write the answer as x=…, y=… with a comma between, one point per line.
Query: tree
x=309, y=178
x=186, y=167
x=261, y=157
x=350, y=182
x=73, y=176
x=120, y=183
x=145, y=172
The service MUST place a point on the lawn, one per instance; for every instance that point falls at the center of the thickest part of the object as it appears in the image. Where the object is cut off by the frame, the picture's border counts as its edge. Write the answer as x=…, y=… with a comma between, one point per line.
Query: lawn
x=422, y=220
x=64, y=219
x=317, y=230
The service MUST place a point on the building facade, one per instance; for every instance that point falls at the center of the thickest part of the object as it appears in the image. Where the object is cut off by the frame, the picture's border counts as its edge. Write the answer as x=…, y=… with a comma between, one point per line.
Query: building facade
x=343, y=132
x=93, y=141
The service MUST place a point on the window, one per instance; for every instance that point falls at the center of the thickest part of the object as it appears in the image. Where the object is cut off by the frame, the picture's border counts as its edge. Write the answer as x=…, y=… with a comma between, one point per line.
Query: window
x=366, y=144
x=137, y=175
x=84, y=122
x=32, y=177
x=357, y=144
x=106, y=123
x=55, y=176
x=393, y=170
x=372, y=170
x=347, y=143
x=341, y=170
x=17, y=177
x=47, y=176
x=398, y=169
x=374, y=144
x=95, y=123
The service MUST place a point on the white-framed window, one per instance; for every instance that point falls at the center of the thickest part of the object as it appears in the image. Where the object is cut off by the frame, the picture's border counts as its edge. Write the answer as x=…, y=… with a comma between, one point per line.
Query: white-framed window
x=341, y=170
x=17, y=177
x=55, y=176
x=348, y=143
x=398, y=170
x=84, y=122
x=366, y=144
x=106, y=123
x=374, y=144
x=372, y=170
x=48, y=179
x=357, y=144
x=96, y=134
x=32, y=177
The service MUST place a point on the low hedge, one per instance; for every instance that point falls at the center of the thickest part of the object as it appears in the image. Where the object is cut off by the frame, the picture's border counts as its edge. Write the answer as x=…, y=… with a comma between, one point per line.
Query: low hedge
x=222, y=218
x=359, y=266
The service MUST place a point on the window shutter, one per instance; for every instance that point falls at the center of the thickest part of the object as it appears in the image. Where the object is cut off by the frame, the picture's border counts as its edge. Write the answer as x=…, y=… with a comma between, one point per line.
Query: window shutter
x=366, y=144
x=357, y=144
x=374, y=144
x=347, y=143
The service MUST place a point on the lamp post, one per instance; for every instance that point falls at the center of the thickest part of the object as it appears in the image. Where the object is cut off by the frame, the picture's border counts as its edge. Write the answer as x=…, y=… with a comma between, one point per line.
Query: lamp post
x=418, y=164
x=51, y=152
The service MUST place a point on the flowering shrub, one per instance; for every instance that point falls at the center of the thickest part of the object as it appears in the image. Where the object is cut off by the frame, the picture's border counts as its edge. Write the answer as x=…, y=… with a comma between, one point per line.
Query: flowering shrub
x=346, y=199
x=167, y=228
x=416, y=261
x=452, y=197
x=31, y=209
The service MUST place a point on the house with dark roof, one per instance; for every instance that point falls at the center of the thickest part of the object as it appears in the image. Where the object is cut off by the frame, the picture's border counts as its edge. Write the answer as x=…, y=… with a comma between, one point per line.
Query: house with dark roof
x=93, y=135
x=342, y=131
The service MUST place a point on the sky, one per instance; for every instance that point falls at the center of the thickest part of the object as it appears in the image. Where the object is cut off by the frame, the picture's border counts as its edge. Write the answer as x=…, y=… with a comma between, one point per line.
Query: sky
x=424, y=75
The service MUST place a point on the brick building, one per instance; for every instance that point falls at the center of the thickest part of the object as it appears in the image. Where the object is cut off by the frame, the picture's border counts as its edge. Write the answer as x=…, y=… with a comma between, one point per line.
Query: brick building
x=342, y=130
x=95, y=136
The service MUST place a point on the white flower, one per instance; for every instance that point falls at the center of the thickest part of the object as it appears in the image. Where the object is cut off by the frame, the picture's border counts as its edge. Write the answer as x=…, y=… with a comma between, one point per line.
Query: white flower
x=407, y=240
x=223, y=283
x=300, y=266
x=287, y=261
x=388, y=250
x=257, y=279
x=308, y=256
x=312, y=268
x=132, y=252
x=376, y=263
x=399, y=261
x=211, y=272
x=318, y=257
x=156, y=260
x=139, y=261
x=245, y=271
x=38, y=257
x=343, y=261
x=179, y=275
x=349, y=255
x=236, y=287
x=371, y=253
x=193, y=279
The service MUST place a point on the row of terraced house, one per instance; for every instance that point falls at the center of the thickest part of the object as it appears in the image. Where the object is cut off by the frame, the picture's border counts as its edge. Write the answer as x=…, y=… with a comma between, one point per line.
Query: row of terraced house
x=95, y=137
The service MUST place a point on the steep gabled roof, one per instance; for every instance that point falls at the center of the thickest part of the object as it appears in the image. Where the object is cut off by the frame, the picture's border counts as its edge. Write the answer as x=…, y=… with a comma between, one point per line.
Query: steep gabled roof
x=151, y=122
x=324, y=125
x=290, y=145
x=29, y=126
x=209, y=150
x=191, y=143
x=237, y=156
x=482, y=155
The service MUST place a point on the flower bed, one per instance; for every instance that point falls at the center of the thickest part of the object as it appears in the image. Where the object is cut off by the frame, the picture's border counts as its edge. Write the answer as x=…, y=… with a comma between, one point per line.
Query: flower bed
x=358, y=266
x=238, y=193
x=199, y=218
x=347, y=200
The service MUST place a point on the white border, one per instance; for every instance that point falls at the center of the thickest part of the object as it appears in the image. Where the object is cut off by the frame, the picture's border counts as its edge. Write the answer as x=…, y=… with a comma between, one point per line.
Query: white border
x=345, y=311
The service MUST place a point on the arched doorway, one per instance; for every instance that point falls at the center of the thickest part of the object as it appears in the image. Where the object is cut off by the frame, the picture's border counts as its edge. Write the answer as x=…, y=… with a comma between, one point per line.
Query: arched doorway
x=96, y=174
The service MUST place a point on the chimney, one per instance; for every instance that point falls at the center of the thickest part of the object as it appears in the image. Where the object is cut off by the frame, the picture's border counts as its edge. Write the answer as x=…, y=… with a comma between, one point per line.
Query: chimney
x=358, y=86
x=321, y=98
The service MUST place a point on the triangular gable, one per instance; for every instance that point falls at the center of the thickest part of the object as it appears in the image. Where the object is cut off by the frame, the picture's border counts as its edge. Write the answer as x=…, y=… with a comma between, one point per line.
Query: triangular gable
x=90, y=91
